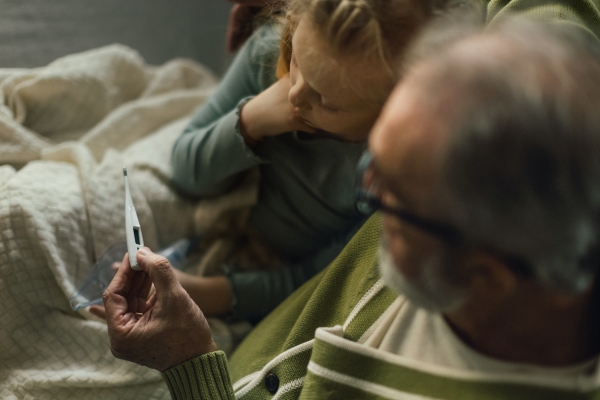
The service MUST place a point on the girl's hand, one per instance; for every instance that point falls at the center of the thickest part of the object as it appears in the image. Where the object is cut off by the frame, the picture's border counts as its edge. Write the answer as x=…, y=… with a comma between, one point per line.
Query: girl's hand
x=271, y=114
x=212, y=294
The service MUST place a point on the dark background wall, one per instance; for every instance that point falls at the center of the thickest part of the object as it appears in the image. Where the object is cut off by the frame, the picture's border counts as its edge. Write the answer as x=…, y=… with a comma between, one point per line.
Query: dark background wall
x=35, y=32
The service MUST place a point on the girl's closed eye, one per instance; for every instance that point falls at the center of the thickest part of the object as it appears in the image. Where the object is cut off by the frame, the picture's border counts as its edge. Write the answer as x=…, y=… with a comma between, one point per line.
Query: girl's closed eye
x=326, y=108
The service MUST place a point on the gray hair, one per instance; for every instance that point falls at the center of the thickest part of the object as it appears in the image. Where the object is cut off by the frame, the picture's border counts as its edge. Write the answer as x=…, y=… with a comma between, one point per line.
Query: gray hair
x=521, y=165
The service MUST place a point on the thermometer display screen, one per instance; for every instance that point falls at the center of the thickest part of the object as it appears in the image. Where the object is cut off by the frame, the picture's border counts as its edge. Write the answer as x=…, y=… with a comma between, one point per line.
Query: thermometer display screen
x=136, y=235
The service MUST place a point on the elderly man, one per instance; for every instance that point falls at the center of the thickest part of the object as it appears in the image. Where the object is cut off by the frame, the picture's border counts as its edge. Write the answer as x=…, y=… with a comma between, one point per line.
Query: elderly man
x=486, y=167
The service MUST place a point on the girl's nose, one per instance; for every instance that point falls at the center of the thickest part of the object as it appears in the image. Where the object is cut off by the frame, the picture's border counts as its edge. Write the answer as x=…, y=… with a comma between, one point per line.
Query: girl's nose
x=299, y=94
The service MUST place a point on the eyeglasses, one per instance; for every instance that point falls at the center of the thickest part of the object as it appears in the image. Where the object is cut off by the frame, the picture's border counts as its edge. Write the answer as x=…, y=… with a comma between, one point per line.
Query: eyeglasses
x=368, y=201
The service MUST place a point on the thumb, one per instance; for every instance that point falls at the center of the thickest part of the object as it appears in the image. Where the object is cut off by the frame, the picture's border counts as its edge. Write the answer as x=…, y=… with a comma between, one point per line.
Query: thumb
x=159, y=269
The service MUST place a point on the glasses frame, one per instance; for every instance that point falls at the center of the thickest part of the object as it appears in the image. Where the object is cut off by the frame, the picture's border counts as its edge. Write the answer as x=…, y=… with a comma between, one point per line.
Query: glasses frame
x=444, y=232
x=368, y=203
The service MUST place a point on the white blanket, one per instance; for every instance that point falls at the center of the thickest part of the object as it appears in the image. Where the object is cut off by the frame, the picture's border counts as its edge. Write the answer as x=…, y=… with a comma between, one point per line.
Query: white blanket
x=72, y=126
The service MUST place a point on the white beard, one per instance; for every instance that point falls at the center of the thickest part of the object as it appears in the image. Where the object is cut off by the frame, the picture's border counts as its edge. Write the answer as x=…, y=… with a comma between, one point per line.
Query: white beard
x=428, y=290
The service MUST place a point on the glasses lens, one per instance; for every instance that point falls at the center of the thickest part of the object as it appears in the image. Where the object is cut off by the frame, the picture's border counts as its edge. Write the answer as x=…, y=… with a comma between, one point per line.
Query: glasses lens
x=365, y=184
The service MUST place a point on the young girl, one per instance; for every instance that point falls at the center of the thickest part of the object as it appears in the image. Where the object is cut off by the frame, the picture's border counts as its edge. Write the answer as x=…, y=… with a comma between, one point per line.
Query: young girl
x=306, y=132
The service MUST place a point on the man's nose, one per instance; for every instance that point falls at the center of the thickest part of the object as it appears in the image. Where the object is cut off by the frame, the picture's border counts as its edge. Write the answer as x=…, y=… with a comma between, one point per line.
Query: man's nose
x=299, y=94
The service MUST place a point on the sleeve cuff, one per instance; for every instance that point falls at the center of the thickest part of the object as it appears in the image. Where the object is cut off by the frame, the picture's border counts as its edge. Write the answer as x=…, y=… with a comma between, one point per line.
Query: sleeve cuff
x=204, y=377
x=238, y=131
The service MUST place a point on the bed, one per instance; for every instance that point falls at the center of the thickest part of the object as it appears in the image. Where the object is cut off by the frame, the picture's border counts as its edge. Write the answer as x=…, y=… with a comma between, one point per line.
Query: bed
x=86, y=88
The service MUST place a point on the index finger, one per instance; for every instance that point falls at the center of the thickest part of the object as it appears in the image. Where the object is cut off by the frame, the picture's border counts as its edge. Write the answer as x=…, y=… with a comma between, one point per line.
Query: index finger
x=115, y=293
x=121, y=283
x=160, y=271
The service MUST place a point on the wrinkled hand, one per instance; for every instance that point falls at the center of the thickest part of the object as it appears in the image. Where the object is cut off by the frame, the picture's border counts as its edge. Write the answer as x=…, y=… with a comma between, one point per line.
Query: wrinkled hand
x=99, y=311
x=241, y=17
x=271, y=113
x=158, y=332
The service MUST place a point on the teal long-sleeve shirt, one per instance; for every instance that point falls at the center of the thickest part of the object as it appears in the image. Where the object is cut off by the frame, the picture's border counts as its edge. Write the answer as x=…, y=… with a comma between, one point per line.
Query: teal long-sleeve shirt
x=306, y=209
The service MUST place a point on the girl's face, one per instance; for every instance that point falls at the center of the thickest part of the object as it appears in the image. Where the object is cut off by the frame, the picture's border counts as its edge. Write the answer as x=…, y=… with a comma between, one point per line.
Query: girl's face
x=324, y=93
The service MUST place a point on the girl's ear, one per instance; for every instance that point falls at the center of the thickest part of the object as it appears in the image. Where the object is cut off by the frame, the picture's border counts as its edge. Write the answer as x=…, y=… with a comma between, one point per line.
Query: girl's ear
x=283, y=68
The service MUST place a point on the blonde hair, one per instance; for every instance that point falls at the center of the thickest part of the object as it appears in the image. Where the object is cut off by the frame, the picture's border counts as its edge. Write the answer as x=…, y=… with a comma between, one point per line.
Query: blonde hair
x=376, y=29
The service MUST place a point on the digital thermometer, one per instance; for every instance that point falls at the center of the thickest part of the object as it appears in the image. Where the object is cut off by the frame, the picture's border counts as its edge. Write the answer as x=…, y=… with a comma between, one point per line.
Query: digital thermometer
x=135, y=240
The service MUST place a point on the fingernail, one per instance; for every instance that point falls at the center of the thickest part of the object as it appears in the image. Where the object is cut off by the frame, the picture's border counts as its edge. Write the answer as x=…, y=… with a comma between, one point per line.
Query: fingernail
x=142, y=252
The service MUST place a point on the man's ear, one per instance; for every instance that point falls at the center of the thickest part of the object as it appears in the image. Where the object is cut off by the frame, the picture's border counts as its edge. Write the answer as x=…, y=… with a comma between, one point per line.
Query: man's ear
x=485, y=276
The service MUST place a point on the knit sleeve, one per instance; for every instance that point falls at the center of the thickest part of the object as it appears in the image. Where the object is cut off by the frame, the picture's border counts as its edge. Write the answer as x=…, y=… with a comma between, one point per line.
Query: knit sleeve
x=211, y=153
x=204, y=377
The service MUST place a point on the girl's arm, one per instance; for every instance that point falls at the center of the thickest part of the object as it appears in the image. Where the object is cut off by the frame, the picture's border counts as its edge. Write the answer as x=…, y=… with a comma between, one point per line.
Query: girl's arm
x=258, y=293
x=212, y=294
x=211, y=152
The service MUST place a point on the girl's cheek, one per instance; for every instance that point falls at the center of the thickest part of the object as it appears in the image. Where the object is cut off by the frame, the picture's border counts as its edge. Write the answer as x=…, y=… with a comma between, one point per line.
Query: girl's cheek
x=330, y=123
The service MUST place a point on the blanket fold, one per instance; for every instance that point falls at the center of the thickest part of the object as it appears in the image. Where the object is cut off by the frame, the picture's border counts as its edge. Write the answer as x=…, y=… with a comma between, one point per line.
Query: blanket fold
x=73, y=125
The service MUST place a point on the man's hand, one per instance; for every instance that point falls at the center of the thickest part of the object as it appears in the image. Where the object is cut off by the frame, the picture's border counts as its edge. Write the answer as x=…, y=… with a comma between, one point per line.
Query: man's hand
x=271, y=113
x=158, y=332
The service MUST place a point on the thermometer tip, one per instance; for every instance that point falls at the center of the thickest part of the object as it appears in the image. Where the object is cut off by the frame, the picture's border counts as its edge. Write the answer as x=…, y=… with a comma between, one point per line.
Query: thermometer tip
x=124, y=171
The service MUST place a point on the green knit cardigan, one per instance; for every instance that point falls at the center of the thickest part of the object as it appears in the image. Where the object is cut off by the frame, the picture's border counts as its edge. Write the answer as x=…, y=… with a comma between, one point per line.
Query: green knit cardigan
x=286, y=352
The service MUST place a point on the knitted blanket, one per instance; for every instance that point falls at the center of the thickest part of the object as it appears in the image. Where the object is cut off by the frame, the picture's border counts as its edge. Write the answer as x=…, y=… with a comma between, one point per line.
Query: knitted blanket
x=66, y=131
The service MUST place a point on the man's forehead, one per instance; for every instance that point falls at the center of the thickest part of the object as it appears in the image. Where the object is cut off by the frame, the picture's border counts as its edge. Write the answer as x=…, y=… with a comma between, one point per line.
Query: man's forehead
x=406, y=141
x=407, y=126
x=412, y=134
